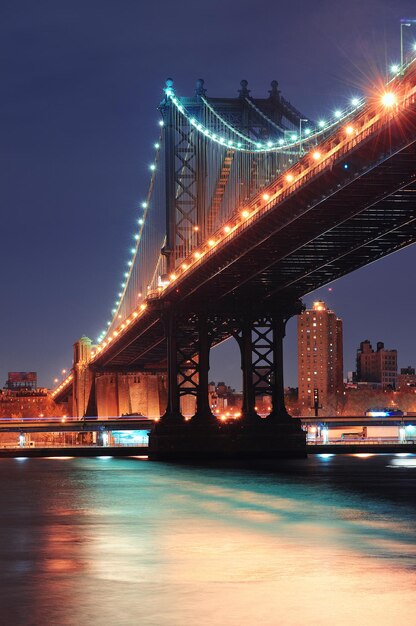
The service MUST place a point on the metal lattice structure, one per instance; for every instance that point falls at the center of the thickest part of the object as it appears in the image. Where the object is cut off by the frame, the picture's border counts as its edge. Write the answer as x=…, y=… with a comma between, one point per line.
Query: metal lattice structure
x=213, y=156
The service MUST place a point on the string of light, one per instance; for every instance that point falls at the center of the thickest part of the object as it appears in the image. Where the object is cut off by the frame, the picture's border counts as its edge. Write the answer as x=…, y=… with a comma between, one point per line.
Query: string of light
x=339, y=118
x=138, y=237
x=294, y=141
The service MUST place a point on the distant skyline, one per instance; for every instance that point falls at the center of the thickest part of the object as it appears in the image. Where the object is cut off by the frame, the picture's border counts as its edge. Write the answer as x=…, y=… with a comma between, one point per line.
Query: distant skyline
x=81, y=83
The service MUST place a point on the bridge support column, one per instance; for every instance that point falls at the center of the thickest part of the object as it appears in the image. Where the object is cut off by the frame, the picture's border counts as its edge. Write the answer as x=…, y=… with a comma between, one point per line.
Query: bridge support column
x=204, y=438
x=203, y=413
x=246, y=347
x=279, y=412
x=173, y=413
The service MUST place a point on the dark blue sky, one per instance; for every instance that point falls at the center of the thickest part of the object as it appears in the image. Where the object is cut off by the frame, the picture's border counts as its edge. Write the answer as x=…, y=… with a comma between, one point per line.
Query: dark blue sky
x=80, y=84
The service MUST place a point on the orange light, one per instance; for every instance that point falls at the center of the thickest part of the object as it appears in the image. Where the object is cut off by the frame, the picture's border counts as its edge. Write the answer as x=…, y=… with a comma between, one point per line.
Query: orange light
x=197, y=255
x=266, y=196
x=289, y=178
x=316, y=155
x=227, y=229
x=349, y=130
x=143, y=306
x=388, y=99
x=172, y=276
x=245, y=213
x=196, y=228
x=211, y=242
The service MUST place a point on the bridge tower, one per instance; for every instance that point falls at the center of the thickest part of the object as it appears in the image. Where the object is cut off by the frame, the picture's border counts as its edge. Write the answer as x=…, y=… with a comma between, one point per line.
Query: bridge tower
x=83, y=392
x=259, y=332
x=198, y=198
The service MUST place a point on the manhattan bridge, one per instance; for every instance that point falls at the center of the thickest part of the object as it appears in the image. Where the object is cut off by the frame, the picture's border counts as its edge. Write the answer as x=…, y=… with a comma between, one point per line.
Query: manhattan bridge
x=250, y=207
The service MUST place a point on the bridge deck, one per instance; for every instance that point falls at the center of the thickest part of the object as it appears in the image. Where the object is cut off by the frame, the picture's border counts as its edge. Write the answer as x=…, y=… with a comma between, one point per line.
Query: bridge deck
x=355, y=207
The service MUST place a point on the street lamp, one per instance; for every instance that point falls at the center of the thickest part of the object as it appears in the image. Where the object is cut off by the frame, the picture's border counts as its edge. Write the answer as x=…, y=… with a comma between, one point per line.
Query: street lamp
x=407, y=23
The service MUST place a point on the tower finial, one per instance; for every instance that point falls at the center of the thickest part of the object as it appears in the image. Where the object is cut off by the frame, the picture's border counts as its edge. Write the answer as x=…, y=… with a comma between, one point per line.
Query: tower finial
x=169, y=91
x=199, y=87
x=274, y=91
x=244, y=92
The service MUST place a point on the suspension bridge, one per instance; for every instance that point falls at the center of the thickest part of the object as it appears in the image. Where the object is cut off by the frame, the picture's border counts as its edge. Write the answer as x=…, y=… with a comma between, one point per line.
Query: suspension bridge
x=250, y=206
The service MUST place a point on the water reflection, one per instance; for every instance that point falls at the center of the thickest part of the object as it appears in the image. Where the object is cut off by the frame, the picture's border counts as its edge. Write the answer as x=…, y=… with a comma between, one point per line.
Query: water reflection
x=103, y=541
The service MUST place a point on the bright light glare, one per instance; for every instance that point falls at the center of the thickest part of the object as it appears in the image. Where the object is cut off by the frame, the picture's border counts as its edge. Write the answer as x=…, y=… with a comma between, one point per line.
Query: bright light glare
x=349, y=130
x=388, y=99
x=316, y=155
x=355, y=102
x=289, y=178
x=394, y=68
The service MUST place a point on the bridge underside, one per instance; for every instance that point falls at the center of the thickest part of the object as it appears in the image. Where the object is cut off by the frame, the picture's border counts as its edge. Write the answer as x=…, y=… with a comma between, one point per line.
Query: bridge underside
x=341, y=221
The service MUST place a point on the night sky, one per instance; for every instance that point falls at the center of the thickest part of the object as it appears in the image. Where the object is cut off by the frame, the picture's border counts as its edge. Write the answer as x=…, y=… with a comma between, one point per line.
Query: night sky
x=80, y=86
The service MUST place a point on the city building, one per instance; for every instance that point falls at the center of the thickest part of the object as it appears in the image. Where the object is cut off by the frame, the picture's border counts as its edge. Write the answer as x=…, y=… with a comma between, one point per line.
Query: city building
x=376, y=366
x=17, y=381
x=320, y=360
x=21, y=397
x=406, y=379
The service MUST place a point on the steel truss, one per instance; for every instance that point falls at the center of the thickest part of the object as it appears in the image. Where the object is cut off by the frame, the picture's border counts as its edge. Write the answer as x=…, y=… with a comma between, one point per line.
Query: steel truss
x=260, y=338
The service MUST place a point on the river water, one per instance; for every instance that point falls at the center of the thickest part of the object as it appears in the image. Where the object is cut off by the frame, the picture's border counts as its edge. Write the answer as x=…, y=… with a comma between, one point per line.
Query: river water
x=327, y=540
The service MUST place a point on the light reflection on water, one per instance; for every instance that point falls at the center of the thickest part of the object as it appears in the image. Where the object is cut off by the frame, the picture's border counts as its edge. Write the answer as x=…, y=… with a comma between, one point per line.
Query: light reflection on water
x=110, y=541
